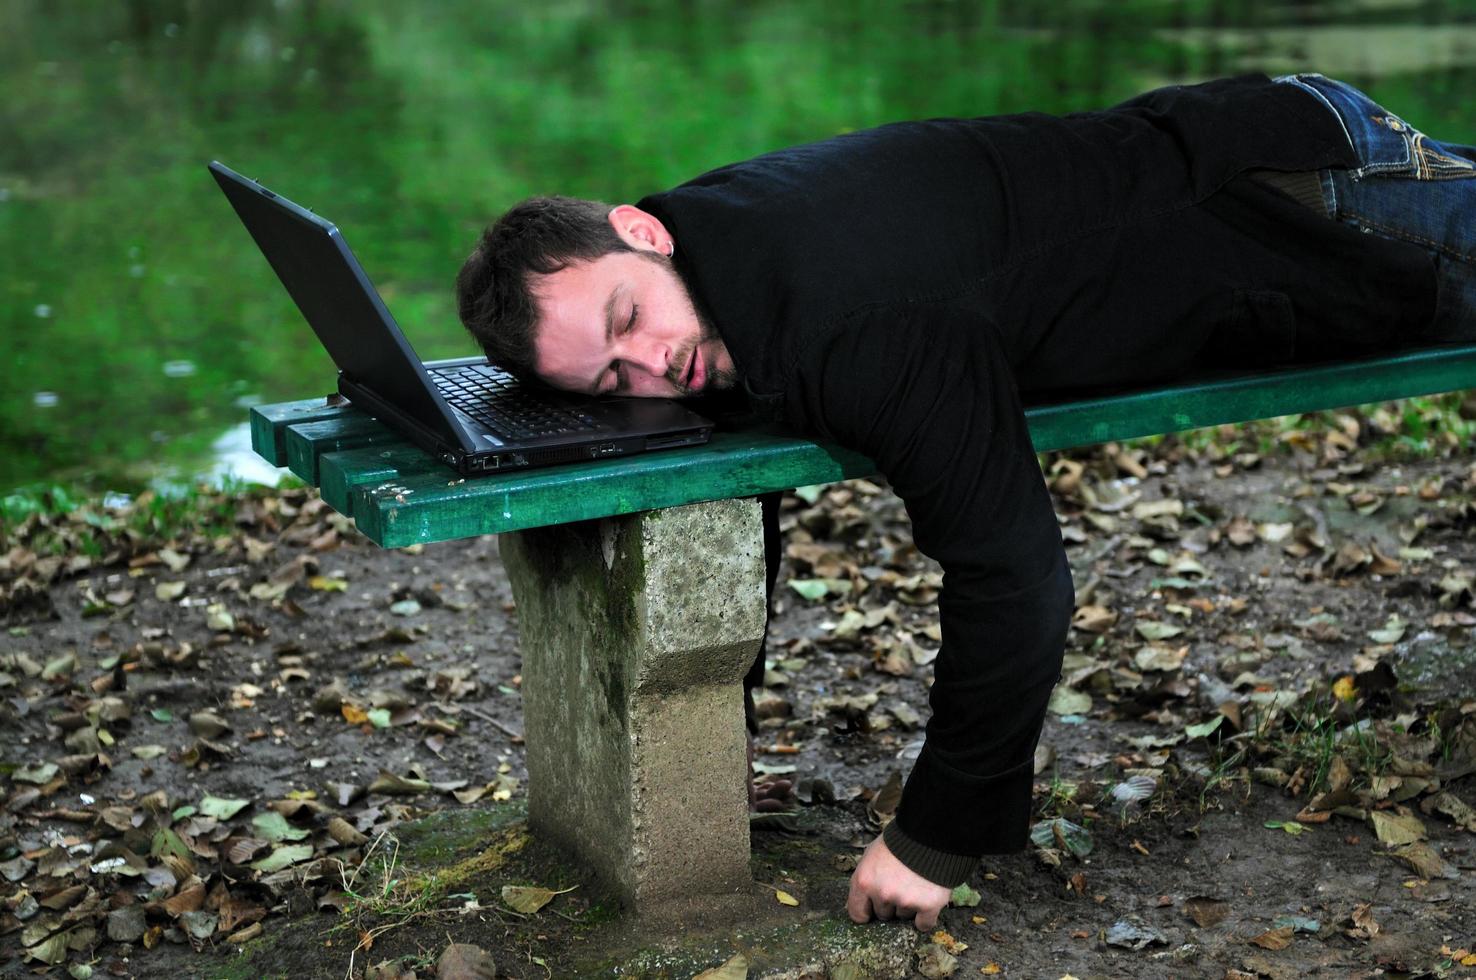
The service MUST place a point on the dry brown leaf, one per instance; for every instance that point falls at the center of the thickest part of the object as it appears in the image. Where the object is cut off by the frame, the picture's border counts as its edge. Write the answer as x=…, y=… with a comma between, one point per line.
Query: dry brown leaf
x=463, y=961
x=1206, y=911
x=1364, y=926
x=528, y=899
x=1275, y=938
x=735, y=968
x=1425, y=861
x=1397, y=828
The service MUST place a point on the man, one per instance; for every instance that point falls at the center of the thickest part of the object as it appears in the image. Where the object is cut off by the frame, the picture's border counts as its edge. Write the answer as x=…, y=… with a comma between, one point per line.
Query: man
x=894, y=290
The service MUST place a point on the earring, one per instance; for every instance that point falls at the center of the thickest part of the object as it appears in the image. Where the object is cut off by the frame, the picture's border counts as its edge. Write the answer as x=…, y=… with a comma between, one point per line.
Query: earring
x=670, y=249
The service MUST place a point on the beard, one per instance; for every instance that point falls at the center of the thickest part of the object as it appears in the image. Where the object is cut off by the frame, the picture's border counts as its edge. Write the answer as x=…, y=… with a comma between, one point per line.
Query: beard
x=707, y=334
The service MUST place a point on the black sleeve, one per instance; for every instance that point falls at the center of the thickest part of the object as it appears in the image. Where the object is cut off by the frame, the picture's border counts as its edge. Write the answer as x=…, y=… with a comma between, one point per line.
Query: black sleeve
x=927, y=394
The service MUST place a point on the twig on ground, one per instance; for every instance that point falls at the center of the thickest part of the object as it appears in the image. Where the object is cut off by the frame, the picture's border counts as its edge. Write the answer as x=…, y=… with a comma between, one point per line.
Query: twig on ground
x=504, y=729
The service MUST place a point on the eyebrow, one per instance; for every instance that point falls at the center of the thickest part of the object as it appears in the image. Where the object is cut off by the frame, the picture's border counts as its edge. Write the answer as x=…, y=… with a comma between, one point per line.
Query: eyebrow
x=609, y=334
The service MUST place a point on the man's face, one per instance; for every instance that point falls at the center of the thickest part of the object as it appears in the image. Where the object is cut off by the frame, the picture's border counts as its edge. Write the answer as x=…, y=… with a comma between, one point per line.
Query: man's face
x=624, y=324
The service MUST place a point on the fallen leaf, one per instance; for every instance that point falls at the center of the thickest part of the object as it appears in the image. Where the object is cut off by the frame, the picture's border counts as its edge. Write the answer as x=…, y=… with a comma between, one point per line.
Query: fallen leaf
x=1205, y=911
x=735, y=968
x=1278, y=938
x=222, y=809
x=1160, y=658
x=1152, y=630
x=1062, y=834
x=283, y=857
x=169, y=591
x=1453, y=807
x=1134, y=789
x=176, y=561
x=392, y=785
x=272, y=826
x=1094, y=619
x=1425, y=861
x=1205, y=729
x=1364, y=926
x=935, y=962
x=463, y=961
x=218, y=619
x=1069, y=701
x=1397, y=828
x=784, y=898
x=1392, y=631
x=62, y=666
x=37, y=773
x=528, y=899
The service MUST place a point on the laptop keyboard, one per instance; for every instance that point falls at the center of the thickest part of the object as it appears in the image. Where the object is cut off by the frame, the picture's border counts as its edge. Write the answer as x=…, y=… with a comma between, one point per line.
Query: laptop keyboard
x=496, y=400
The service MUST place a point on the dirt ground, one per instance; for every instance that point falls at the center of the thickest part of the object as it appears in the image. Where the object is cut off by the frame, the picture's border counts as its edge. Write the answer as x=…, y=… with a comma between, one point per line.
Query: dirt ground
x=1259, y=761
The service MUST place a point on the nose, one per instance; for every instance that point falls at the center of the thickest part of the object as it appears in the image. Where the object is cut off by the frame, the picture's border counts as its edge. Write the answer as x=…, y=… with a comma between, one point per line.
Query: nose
x=652, y=358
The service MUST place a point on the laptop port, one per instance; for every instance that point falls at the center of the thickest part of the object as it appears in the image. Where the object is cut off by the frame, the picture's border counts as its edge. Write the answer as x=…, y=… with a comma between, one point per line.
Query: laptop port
x=604, y=449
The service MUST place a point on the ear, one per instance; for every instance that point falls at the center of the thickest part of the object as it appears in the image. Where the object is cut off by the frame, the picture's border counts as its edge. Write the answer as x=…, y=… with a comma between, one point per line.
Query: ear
x=639, y=229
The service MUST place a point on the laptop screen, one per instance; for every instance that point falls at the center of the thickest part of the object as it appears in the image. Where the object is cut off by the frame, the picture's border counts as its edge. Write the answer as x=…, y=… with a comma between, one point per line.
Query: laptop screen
x=326, y=282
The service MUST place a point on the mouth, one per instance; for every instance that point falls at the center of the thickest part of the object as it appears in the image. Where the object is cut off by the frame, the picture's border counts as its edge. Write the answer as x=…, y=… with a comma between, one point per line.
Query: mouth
x=692, y=380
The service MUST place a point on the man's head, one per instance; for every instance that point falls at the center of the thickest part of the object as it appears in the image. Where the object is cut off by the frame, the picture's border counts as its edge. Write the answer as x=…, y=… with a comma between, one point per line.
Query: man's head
x=585, y=298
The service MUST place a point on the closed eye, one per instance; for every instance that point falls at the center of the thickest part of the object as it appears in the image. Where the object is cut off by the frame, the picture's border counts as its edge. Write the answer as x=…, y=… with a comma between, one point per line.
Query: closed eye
x=619, y=381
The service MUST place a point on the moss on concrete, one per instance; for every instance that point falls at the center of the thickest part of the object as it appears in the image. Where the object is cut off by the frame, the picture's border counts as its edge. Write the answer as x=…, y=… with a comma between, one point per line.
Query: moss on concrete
x=447, y=836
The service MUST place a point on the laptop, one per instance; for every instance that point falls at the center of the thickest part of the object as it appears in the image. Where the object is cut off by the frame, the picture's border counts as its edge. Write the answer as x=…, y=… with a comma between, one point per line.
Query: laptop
x=471, y=414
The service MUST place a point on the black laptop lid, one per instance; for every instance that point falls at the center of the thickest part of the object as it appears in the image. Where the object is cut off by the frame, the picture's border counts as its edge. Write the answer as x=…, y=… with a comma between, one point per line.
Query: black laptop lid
x=329, y=287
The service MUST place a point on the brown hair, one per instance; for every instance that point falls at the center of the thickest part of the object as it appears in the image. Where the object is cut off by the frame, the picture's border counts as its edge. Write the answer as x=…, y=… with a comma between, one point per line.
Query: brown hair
x=538, y=236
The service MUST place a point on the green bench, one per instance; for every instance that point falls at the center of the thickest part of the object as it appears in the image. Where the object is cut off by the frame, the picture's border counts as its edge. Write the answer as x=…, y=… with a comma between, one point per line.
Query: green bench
x=639, y=588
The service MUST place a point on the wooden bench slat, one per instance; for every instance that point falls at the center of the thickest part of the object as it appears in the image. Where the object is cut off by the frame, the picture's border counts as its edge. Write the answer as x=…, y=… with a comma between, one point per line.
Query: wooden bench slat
x=1241, y=398
x=339, y=472
x=308, y=441
x=269, y=424
x=439, y=506
x=400, y=495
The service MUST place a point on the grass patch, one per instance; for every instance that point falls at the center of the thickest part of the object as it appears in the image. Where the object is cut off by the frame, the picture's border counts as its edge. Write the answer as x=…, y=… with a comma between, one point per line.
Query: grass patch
x=383, y=894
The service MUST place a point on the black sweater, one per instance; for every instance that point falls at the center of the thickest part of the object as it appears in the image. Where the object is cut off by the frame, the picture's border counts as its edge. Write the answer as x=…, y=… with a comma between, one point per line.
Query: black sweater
x=896, y=290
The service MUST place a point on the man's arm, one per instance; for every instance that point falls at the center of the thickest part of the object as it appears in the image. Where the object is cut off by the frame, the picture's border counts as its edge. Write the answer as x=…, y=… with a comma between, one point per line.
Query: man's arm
x=927, y=394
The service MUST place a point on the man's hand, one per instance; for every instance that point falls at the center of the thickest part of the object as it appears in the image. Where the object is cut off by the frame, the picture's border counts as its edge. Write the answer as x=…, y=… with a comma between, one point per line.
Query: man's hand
x=884, y=887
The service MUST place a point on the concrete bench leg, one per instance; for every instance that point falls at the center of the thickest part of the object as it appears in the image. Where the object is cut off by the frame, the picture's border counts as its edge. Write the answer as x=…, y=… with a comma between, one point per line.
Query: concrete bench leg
x=636, y=632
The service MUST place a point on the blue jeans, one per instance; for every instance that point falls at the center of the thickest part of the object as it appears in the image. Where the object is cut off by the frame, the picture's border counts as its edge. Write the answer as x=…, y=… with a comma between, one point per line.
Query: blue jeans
x=1409, y=187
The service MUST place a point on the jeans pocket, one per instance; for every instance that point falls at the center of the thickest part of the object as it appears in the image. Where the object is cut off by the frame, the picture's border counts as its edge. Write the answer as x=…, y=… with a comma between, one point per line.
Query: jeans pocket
x=1385, y=145
x=1437, y=161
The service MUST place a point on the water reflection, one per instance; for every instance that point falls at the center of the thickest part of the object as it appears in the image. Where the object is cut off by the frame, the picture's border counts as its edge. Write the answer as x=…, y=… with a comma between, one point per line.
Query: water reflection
x=1368, y=51
x=411, y=125
x=234, y=460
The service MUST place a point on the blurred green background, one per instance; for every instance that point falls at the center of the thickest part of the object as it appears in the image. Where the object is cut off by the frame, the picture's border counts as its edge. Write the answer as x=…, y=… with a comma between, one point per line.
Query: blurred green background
x=139, y=320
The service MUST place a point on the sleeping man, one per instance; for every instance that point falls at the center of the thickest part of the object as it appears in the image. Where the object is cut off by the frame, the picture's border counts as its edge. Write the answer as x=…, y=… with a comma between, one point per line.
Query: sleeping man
x=896, y=290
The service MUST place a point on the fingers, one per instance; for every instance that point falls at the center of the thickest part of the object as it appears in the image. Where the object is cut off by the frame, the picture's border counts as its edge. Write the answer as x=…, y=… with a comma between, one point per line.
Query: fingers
x=926, y=920
x=768, y=786
x=858, y=904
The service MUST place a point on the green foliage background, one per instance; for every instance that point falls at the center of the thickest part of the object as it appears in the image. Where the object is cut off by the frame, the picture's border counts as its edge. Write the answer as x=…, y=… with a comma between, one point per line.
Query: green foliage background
x=412, y=125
